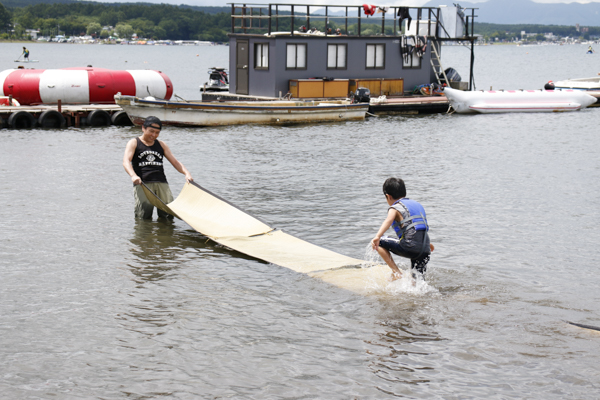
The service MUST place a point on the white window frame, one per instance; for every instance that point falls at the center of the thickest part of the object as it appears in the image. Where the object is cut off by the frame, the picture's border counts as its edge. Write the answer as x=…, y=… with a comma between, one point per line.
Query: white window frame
x=375, y=56
x=337, y=56
x=261, y=56
x=296, y=56
x=412, y=61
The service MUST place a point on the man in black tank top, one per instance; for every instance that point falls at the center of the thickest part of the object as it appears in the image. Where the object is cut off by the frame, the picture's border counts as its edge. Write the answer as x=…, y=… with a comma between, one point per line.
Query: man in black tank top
x=143, y=161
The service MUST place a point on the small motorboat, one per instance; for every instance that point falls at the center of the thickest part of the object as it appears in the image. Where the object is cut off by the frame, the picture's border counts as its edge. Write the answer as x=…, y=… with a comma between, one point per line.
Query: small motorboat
x=508, y=101
x=218, y=81
x=578, y=84
x=198, y=113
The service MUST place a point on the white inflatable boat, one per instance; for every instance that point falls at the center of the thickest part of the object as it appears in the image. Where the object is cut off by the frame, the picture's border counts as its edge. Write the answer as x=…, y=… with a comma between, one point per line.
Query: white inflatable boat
x=505, y=101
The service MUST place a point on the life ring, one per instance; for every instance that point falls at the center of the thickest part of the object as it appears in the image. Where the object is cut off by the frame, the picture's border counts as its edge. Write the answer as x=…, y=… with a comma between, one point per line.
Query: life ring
x=21, y=120
x=98, y=118
x=120, y=118
x=51, y=119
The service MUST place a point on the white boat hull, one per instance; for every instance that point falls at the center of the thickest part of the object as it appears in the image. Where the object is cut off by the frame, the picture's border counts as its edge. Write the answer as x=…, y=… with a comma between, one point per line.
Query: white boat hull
x=592, y=84
x=236, y=113
x=509, y=101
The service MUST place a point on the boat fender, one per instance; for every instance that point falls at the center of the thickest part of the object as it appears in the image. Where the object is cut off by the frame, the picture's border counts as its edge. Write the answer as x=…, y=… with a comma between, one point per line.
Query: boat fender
x=549, y=85
x=21, y=120
x=51, y=119
x=3, y=123
x=120, y=118
x=98, y=118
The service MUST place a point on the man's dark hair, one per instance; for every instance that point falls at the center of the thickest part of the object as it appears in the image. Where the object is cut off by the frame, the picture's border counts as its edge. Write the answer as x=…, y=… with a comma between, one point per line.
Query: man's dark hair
x=152, y=120
x=394, y=187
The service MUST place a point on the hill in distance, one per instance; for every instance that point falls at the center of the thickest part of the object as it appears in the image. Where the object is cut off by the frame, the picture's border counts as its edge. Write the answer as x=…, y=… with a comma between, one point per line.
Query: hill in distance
x=528, y=12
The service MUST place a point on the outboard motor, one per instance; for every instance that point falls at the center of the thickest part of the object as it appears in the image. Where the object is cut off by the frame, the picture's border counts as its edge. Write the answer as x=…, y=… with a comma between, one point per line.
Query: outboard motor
x=549, y=85
x=362, y=95
x=452, y=75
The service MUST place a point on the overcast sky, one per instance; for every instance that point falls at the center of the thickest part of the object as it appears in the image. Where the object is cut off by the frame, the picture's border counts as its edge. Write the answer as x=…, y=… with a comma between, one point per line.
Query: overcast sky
x=415, y=3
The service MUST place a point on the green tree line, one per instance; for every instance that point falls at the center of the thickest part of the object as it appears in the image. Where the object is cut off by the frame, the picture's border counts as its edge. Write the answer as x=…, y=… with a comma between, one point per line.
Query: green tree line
x=149, y=21
x=162, y=21
x=490, y=31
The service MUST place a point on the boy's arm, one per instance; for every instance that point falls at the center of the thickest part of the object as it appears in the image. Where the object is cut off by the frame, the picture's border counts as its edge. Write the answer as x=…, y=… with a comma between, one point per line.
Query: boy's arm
x=389, y=220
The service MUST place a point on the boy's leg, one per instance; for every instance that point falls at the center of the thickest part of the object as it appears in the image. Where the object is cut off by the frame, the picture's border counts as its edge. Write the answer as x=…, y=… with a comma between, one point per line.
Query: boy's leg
x=420, y=264
x=387, y=257
x=393, y=245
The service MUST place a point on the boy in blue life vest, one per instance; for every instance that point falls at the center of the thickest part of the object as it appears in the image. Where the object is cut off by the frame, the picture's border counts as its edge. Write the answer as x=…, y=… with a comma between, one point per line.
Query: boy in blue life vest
x=25, y=54
x=407, y=217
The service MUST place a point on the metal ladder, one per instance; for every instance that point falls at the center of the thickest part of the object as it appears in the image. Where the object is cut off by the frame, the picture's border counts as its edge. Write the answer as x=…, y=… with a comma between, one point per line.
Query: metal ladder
x=436, y=64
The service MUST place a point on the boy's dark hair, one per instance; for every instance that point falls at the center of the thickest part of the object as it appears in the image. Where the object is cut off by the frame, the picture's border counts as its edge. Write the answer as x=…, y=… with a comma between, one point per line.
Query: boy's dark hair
x=394, y=187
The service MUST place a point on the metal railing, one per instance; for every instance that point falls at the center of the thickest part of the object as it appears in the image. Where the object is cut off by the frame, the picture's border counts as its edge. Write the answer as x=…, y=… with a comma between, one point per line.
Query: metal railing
x=277, y=17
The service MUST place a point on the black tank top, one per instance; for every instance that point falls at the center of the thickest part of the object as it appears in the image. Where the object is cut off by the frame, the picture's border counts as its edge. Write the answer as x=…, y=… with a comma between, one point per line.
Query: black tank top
x=148, y=162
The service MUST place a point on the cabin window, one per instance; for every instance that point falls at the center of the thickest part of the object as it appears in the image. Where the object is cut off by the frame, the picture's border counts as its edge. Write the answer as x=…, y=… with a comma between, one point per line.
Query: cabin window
x=375, y=56
x=336, y=56
x=411, y=53
x=261, y=55
x=296, y=56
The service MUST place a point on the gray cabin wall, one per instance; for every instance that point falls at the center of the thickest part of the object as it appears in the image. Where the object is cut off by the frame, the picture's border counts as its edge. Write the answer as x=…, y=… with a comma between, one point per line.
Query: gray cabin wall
x=276, y=79
x=261, y=82
x=232, y=60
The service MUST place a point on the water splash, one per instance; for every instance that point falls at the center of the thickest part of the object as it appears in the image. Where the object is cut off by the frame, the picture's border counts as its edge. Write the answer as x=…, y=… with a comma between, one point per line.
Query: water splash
x=379, y=280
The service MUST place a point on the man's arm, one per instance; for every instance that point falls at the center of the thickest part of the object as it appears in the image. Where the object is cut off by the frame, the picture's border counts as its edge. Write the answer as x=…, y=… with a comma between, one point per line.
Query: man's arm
x=127, y=157
x=176, y=164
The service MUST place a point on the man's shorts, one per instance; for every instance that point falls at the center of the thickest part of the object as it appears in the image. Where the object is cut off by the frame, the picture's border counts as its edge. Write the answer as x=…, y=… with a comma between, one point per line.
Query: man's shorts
x=417, y=261
x=143, y=208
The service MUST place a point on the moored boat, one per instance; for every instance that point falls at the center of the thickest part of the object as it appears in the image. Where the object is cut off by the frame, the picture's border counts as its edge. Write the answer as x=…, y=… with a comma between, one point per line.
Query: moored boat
x=592, y=84
x=218, y=81
x=505, y=101
x=197, y=113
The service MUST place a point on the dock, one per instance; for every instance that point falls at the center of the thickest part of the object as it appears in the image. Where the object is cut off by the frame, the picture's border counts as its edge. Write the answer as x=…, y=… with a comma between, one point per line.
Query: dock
x=62, y=116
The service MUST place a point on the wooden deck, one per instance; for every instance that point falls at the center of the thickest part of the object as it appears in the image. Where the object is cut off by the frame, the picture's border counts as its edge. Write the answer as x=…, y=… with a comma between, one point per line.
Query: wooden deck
x=410, y=105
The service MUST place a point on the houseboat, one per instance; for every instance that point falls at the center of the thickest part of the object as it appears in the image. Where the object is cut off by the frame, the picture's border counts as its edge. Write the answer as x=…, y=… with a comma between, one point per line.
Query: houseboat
x=323, y=51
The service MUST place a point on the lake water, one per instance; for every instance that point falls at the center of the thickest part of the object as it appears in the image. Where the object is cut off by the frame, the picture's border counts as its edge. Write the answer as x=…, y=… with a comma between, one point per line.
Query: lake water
x=97, y=305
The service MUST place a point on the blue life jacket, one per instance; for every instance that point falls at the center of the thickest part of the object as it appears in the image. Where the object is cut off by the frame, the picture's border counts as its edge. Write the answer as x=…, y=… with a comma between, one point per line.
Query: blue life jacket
x=417, y=218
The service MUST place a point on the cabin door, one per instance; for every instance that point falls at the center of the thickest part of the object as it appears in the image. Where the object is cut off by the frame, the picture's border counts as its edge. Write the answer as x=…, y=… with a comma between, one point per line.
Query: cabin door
x=241, y=69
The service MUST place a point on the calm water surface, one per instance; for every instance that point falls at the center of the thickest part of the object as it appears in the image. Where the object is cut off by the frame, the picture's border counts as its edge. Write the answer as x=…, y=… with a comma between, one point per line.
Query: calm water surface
x=97, y=305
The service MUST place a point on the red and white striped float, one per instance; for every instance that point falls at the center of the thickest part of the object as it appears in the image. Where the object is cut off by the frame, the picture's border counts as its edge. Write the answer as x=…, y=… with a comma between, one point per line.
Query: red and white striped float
x=82, y=85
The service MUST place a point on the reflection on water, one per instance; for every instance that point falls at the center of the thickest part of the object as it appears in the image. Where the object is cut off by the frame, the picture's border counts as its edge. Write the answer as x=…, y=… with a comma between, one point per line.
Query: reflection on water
x=153, y=249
